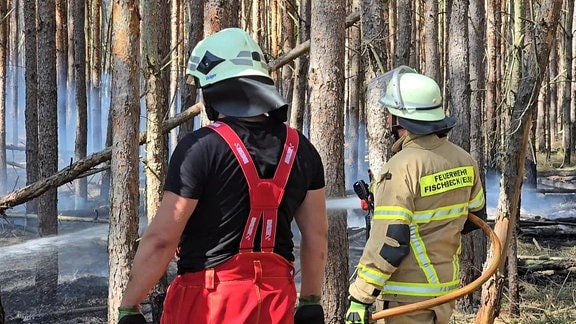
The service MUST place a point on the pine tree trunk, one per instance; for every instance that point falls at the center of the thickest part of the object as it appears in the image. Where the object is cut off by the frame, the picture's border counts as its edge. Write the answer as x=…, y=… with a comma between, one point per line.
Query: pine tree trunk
x=155, y=49
x=373, y=35
x=61, y=66
x=404, y=30
x=299, y=95
x=195, y=34
x=2, y=314
x=31, y=110
x=568, y=95
x=124, y=166
x=47, y=265
x=14, y=58
x=81, y=144
x=540, y=36
x=354, y=85
x=95, y=74
x=326, y=81
x=3, y=60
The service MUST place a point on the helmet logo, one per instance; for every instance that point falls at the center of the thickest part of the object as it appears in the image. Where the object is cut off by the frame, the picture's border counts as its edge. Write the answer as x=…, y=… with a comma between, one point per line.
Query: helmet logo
x=208, y=62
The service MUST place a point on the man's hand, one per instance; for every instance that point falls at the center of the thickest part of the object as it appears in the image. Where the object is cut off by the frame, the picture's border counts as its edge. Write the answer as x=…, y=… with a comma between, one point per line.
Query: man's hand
x=357, y=313
x=130, y=315
x=309, y=311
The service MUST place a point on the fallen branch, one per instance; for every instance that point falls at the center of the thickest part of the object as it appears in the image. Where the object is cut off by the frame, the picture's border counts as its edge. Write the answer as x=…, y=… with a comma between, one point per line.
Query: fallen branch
x=79, y=167
x=305, y=46
x=11, y=147
x=16, y=164
x=66, y=218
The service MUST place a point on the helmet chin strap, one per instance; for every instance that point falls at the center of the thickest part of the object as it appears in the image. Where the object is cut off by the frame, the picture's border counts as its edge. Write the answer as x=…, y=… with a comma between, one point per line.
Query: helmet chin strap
x=395, y=128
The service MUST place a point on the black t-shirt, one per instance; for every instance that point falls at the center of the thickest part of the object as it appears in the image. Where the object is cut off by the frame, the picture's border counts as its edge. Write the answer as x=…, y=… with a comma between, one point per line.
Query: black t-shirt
x=203, y=167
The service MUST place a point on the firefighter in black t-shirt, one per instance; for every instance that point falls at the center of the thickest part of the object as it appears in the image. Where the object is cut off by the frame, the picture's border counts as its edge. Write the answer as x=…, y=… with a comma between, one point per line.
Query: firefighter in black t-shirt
x=232, y=190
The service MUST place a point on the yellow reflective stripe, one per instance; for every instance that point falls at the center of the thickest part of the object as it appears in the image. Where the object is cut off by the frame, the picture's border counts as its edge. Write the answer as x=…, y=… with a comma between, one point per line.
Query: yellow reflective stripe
x=478, y=201
x=393, y=213
x=442, y=213
x=447, y=180
x=372, y=276
x=420, y=289
x=456, y=263
x=421, y=255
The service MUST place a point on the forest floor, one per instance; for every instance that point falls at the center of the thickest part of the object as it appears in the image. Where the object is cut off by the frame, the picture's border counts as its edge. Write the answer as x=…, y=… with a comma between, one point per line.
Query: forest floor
x=81, y=294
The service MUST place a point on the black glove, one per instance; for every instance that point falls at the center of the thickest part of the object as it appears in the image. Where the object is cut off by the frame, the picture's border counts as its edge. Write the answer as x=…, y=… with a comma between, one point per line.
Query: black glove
x=309, y=311
x=130, y=315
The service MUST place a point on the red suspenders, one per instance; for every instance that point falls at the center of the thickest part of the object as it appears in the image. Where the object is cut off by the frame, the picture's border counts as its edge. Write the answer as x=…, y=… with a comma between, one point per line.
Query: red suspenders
x=265, y=194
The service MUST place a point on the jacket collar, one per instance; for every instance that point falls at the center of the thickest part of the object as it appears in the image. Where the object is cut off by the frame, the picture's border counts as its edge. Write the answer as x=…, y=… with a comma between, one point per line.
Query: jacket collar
x=425, y=142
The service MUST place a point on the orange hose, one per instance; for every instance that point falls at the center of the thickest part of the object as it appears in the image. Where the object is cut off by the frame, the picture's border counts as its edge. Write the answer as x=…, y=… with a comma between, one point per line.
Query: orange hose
x=457, y=293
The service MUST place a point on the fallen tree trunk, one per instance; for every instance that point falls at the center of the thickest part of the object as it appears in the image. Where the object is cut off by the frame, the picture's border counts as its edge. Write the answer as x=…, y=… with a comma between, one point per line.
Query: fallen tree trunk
x=550, y=231
x=77, y=168
x=544, y=263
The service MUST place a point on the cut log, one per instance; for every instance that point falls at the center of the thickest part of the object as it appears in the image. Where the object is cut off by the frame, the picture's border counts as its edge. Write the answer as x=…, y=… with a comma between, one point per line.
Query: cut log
x=77, y=168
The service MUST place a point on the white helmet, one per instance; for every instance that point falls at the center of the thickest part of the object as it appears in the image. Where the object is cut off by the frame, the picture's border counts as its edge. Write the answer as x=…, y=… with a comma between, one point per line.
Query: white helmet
x=415, y=99
x=226, y=54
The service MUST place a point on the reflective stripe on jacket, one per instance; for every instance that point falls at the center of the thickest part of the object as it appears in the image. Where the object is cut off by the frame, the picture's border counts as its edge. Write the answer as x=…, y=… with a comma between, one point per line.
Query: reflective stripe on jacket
x=429, y=185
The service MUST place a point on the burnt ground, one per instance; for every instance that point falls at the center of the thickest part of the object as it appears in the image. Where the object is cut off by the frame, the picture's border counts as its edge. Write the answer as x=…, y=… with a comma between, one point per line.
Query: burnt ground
x=81, y=293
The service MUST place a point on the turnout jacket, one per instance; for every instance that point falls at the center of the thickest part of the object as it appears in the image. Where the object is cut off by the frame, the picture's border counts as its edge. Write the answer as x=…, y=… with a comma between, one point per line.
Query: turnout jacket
x=422, y=200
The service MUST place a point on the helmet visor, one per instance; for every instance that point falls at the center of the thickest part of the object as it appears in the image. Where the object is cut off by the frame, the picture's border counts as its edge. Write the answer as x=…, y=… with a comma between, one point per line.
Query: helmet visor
x=389, y=84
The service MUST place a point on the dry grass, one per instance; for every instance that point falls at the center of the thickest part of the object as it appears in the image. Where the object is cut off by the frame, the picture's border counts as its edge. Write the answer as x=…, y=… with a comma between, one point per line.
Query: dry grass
x=545, y=299
x=553, y=162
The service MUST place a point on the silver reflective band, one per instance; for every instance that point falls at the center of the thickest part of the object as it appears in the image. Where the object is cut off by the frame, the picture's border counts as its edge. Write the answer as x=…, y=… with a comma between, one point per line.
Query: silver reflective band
x=418, y=289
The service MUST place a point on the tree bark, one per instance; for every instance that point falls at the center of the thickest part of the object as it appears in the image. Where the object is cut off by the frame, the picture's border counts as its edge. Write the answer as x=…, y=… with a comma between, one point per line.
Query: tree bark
x=404, y=32
x=326, y=81
x=373, y=45
x=354, y=85
x=31, y=109
x=3, y=70
x=195, y=34
x=47, y=265
x=61, y=67
x=431, y=51
x=155, y=50
x=77, y=9
x=95, y=74
x=540, y=35
x=299, y=99
x=125, y=112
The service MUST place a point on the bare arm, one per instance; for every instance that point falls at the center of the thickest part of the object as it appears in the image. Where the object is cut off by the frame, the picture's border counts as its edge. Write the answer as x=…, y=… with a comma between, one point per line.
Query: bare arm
x=157, y=246
x=312, y=221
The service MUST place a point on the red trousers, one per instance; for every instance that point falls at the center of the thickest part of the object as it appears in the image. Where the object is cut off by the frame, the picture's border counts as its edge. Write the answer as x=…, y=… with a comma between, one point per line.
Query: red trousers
x=251, y=288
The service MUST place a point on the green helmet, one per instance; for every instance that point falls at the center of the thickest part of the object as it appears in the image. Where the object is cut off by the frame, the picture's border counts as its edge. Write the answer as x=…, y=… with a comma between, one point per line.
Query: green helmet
x=226, y=54
x=415, y=99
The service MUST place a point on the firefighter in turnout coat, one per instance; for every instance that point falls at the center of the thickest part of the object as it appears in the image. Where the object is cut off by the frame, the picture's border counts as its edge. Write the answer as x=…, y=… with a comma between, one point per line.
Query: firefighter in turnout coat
x=422, y=200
